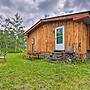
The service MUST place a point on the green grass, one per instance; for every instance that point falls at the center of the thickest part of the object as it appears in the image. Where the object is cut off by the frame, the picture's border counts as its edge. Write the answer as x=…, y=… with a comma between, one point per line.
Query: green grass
x=20, y=74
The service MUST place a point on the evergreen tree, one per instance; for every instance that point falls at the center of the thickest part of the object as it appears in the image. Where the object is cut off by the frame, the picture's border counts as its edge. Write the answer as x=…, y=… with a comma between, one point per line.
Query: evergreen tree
x=11, y=34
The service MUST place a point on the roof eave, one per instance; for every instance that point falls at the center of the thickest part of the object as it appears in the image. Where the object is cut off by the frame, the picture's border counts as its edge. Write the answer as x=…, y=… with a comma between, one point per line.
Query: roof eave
x=29, y=30
x=64, y=17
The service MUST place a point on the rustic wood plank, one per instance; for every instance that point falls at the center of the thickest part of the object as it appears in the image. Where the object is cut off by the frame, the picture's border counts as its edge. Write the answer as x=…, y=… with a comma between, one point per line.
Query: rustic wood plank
x=76, y=34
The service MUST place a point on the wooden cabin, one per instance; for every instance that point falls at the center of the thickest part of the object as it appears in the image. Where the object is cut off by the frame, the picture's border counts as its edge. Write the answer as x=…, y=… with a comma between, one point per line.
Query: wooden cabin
x=65, y=32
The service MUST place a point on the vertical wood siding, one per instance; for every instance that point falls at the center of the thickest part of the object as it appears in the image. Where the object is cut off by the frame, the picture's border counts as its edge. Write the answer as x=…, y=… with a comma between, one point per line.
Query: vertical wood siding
x=77, y=35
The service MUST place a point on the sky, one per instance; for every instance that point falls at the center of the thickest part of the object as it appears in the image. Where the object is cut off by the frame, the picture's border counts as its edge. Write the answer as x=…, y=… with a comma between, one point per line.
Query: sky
x=33, y=10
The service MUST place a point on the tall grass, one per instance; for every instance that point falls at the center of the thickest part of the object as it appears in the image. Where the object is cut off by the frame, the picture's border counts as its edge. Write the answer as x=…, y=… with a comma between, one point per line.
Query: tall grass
x=22, y=74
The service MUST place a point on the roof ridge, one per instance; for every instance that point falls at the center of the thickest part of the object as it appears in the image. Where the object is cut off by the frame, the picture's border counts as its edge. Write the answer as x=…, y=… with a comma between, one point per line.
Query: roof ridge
x=67, y=15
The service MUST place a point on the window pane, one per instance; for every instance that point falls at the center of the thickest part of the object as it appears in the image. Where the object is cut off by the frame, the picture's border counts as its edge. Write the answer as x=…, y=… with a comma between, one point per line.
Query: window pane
x=60, y=36
x=59, y=31
x=60, y=39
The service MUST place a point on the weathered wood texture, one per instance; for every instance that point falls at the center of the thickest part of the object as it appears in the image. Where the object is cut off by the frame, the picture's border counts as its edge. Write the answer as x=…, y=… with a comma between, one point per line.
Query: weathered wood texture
x=88, y=37
x=77, y=36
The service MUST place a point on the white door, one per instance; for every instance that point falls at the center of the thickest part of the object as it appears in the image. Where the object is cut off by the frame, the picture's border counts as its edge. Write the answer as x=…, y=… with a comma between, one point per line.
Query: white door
x=59, y=38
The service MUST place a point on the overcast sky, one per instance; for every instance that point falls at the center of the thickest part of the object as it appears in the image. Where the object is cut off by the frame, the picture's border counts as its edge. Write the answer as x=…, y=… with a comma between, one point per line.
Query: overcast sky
x=33, y=10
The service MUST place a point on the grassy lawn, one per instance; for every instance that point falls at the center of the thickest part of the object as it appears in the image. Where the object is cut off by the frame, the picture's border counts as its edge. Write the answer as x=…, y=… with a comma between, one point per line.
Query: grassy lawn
x=20, y=74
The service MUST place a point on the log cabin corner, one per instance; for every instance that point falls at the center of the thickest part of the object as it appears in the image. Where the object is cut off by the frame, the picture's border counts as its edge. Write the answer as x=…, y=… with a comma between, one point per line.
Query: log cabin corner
x=65, y=32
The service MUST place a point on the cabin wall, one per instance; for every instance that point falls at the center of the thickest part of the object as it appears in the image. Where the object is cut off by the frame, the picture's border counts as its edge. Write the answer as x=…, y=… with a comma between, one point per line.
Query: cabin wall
x=88, y=37
x=44, y=39
x=82, y=38
x=71, y=35
x=76, y=36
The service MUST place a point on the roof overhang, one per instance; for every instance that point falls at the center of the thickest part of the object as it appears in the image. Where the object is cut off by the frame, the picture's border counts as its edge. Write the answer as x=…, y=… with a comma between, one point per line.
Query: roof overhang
x=75, y=17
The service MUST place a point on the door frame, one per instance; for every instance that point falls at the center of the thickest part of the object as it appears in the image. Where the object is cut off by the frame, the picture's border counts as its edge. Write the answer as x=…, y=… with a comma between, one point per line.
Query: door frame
x=63, y=37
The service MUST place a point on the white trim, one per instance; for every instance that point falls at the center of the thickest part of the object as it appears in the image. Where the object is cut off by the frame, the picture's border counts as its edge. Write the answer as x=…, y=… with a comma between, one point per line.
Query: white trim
x=63, y=37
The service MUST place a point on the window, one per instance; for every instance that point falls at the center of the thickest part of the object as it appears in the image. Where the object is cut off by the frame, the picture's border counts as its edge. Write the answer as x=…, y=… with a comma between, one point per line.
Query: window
x=60, y=36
